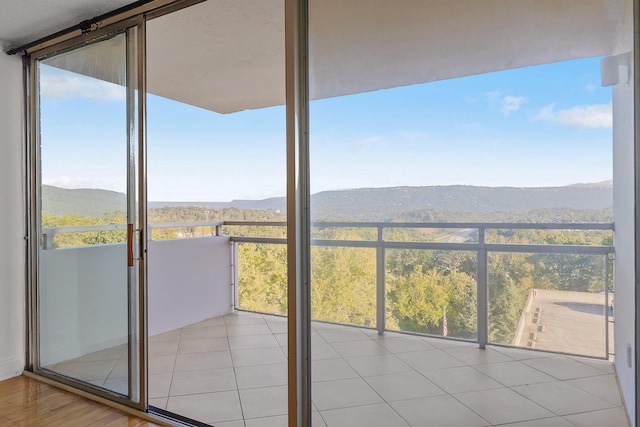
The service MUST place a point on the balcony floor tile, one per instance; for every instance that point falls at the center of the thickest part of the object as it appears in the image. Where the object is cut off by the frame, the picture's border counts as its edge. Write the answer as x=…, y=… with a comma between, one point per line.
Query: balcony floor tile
x=562, y=398
x=604, y=386
x=241, y=330
x=186, y=362
x=403, y=386
x=544, y=422
x=564, y=367
x=501, y=406
x=514, y=373
x=204, y=332
x=323, y=352
x=331, y=369
x=208, y=407
x=423, y=361
x=368, y=366
x=259, y=356
x=403, y=344
x=437, y=411
x=203, y=345
x=343, y=394
x=202, y=382
x=471, y=355
x=261, y=376
x=264, y=402
x=232, y=371
x=359, y=348
x=461, y=379
x=378, y=415
x=277, y=421
x=252, y=341
x=608, y=417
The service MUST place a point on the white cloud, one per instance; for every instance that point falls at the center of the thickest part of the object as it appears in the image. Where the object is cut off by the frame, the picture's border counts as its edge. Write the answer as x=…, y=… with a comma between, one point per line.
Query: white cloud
x=580, y=116
x=507, y=103
x=68, y=86
x=512, y=103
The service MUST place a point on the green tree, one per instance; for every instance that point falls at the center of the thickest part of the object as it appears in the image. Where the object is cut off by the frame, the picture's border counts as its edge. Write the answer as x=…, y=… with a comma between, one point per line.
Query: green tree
x=343, y=285
x=262, y=277
x=419, y=300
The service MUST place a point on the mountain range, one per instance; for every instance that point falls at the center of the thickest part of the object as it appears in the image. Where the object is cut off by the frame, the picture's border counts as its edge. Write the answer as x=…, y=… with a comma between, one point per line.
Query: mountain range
x=365, y=203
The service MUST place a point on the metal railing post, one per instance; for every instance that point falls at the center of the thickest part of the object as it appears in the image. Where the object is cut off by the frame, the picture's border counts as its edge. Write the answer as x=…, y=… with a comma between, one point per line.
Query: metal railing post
x=234, y=275
x=47, y=240
x=482, y=273
x=381, y=292
x=606, y=306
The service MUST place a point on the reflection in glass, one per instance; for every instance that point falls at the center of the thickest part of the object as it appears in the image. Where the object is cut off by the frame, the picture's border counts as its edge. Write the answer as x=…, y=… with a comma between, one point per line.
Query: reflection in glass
x=83, y=274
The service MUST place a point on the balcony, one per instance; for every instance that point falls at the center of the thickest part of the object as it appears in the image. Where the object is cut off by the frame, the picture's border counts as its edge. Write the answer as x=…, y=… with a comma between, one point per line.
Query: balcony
x=219, y=363
x=232, y=368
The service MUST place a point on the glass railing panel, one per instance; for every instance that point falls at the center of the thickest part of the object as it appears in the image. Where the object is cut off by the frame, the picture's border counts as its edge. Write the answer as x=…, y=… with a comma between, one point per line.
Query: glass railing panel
x=72, y=237
x=550, y=237
x=429, y=233
x=343, y=285
x=553, y=302
x=432, y=292
x=331, y=232
x=277, y=231
x=261, y=277
x=178, y=231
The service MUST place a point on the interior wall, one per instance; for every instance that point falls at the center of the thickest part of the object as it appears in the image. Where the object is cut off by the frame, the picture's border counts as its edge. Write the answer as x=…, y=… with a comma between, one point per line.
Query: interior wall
x=624, y=216
x=12, y=290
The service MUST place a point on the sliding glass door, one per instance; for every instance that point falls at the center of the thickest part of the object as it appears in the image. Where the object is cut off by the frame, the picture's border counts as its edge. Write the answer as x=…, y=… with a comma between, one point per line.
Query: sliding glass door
x=86, y=199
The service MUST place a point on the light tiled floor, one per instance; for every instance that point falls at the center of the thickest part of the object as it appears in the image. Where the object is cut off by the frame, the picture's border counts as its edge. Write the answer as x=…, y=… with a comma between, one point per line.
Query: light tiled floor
x=231, y=372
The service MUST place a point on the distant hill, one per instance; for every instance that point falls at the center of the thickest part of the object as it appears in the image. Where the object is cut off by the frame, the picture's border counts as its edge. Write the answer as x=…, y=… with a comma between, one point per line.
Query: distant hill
x=84, y=202
x=387, y=203
x=374, y=204
x=271, y=204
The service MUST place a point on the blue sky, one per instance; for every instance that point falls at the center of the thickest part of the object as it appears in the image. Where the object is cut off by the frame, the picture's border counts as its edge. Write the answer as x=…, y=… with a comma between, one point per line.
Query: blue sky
x=546, y=125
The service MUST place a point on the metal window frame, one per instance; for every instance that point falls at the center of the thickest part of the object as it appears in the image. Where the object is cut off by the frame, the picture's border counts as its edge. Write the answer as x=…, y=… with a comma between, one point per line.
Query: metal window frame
x=298, y=190
x=151, y=8
x=636, y=169
x=33, y=206
x=298, y=212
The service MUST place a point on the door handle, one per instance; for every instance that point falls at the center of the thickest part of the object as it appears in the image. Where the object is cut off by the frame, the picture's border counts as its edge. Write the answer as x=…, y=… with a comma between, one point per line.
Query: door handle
x=130, y=245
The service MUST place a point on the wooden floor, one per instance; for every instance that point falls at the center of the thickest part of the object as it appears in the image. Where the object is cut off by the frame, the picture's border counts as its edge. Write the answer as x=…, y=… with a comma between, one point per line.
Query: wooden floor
x=28, y=402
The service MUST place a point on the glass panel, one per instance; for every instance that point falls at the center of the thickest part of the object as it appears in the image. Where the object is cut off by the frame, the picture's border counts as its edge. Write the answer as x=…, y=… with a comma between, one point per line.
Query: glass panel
x=423, y=132
x=262, y=277
x=432, y=292
x=83, y=155
x=216, y=143
x=343, y=285
x=550, y=302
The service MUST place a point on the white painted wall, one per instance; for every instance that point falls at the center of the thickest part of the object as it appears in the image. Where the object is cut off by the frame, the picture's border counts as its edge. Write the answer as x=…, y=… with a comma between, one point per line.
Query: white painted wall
x=623, y=207
x=12, y=311
x=83, y=301
x=189, y=281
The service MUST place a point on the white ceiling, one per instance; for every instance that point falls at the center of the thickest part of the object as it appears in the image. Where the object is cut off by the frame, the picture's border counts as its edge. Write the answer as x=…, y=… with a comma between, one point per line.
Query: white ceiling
x=228, y=55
